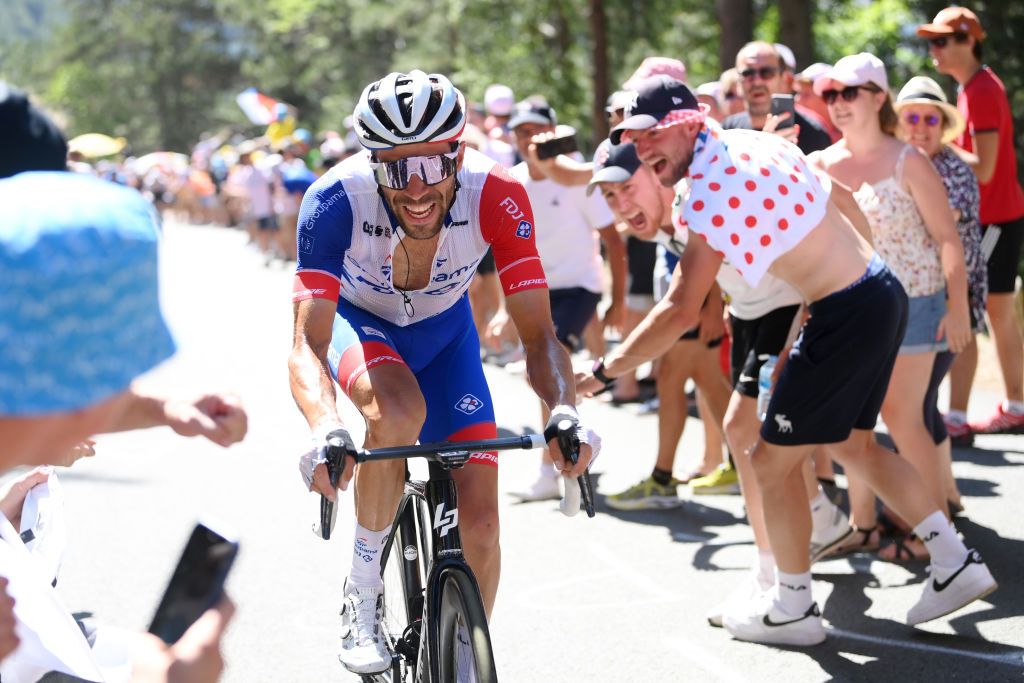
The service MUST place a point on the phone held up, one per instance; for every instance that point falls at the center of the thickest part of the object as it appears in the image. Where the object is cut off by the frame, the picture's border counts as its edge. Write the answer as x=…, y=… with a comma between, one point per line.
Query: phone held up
x=782, y=104
x=197, y=583
x=563, y=142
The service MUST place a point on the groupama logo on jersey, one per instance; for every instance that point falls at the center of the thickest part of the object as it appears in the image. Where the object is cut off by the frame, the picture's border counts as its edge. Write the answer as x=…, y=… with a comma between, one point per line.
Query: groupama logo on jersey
x=524, y=230
x=469, y=404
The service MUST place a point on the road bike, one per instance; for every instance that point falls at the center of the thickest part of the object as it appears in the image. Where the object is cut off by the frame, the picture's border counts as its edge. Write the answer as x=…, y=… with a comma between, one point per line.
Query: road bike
x=433, y=618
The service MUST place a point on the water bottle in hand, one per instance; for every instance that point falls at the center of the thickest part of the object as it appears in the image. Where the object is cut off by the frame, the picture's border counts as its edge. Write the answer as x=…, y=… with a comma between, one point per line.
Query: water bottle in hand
x=764, y=386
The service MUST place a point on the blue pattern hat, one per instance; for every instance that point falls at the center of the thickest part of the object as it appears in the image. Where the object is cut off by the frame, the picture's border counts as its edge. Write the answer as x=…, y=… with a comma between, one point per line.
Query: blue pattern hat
x=79, y=307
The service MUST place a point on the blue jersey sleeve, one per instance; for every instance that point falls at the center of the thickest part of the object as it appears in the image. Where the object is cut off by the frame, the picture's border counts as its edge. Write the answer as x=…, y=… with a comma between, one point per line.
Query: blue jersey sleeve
x=324, y=235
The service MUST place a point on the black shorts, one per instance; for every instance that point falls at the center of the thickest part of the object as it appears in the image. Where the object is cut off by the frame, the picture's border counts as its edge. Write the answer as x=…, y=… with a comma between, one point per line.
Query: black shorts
x=642, y=257
x=571, y=310
x=838, y=371
x=1004, y=262
x=486, y=265
x=753, y=341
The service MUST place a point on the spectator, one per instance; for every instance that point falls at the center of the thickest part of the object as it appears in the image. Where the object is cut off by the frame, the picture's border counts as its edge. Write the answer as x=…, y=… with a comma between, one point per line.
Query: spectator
x=763, y=73
x=568, y=223
x=809, y=103
x=656, y=66
x=956, y=41
x=710, y=94
x=79, y=304
x=731, y=100
x=913, y=230
x=930, y=123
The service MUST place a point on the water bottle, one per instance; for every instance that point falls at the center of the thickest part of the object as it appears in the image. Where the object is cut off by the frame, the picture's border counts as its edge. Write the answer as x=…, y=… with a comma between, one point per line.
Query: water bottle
x=764, y=386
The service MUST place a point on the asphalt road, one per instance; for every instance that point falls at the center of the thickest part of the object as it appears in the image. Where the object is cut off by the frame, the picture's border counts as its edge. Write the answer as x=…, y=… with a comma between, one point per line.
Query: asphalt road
x=620, y=597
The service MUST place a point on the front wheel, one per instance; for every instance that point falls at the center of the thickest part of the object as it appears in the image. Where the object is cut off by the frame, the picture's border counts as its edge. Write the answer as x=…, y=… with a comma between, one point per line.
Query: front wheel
x=465, y=643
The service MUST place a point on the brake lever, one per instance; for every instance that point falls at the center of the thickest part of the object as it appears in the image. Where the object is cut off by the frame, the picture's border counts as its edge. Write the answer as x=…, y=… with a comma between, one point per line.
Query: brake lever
x=570, y=447
x=328, y=510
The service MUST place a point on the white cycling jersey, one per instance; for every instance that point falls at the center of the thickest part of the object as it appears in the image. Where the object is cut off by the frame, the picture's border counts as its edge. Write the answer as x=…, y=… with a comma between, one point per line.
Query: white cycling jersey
x=347, y=236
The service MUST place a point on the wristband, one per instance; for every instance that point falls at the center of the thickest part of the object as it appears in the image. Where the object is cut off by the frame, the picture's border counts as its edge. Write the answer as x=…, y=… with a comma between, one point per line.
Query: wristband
x=598, y=372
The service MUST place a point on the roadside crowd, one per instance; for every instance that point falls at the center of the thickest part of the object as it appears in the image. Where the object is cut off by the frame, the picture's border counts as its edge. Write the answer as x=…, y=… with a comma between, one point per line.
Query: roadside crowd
x=934, y=182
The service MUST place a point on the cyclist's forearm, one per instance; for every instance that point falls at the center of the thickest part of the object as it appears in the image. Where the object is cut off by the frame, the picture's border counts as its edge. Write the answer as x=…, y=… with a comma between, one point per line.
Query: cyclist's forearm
x=549, y=372
x=312, y=387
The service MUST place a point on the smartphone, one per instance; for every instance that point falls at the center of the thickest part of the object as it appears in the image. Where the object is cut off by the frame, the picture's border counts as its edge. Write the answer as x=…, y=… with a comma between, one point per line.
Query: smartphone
x=197, y=583
x=782, y=104
x=564, y=142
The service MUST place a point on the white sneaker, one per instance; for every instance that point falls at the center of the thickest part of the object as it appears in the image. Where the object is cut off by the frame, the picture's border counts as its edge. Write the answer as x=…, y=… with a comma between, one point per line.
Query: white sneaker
x=545, y=487
x=831, y=536
x=761, y=621
x=362, y=642
x=947, y=590
x=747, y=590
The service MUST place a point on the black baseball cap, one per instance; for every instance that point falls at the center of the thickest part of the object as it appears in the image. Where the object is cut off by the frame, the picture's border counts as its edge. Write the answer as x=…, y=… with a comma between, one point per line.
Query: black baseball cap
x=655, y=98
x=613, y=164
x=29, y=139
x=533, y=111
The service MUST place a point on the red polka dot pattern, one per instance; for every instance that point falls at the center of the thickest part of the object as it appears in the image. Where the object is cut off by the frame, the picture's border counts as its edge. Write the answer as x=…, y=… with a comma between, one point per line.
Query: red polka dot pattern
x=759, y=182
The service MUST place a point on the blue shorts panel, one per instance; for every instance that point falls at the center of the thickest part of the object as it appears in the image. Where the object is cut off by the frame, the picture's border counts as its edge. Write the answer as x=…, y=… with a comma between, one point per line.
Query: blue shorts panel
x=837, y=373
x=923, y=318
x=443, y=354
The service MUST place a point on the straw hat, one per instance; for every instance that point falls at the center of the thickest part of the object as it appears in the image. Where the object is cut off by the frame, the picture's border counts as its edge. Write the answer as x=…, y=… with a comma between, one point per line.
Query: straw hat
x=923, y=90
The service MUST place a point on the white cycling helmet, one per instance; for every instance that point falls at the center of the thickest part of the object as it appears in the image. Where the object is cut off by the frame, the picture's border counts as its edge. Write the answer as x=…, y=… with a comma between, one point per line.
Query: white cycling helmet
x=403, y=109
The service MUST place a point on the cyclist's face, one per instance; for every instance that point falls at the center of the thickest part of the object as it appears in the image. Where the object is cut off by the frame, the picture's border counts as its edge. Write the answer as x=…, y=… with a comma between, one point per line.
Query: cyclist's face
x=420, y=208
x=667, y=151
x=638, y=202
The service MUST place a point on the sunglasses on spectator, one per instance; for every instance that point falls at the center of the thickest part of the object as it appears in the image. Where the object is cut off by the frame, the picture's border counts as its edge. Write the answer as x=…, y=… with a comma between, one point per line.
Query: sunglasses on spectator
x=431, y=170
x=764, y=73
x=849, y=94
x=931, y=120
x=943, y=41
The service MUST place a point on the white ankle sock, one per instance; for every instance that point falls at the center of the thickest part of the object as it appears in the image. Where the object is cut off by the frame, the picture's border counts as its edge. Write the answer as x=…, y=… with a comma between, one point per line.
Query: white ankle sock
x=794, y=592
x=957, y=417
x=367, y=546
x=945, y=547
x=1013, y=407
x=765, y=568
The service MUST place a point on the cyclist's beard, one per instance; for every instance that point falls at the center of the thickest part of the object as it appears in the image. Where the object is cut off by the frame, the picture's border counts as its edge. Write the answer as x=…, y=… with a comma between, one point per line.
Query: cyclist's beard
x=423, y=231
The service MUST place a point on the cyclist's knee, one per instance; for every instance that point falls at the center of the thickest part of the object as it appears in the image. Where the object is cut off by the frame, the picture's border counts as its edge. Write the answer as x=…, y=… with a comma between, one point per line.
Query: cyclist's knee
x=479, y=527
x=396, y=418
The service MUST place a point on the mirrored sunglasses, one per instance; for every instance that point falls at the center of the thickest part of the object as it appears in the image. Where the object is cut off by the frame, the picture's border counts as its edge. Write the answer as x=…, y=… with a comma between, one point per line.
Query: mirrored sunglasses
x=931, y=120
x=431, y=170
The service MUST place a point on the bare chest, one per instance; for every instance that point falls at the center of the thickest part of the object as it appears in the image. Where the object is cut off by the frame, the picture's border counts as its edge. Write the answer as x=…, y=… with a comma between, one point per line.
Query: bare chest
x=412, y=263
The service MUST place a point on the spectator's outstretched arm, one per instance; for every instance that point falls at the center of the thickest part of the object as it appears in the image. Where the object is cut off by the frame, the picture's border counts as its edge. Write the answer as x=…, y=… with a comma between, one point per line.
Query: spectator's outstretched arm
x=219, y=417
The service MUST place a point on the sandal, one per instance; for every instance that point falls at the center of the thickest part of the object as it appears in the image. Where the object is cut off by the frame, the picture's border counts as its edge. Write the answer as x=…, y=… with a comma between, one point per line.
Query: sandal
x=892, y=524
x=906, y=548
x=859, y=541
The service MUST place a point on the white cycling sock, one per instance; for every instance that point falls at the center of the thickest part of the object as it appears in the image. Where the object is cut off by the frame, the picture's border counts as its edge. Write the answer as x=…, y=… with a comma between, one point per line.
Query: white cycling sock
x=794, y=592
x=367, y=546
x=945, y=547
x=1014, y=407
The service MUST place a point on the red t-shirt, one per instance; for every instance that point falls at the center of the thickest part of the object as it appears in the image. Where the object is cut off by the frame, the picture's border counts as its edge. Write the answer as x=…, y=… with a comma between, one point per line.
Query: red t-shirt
x=984, y=105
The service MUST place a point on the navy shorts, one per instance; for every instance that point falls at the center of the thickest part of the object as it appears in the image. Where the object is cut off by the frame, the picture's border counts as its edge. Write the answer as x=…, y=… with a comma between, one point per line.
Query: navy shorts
x=571, y=310
x=753, y=341
x=838, y=371
x=443, y=354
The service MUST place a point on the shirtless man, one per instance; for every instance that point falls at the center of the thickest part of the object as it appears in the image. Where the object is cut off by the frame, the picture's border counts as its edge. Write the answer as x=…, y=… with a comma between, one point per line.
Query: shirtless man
x=753, y=200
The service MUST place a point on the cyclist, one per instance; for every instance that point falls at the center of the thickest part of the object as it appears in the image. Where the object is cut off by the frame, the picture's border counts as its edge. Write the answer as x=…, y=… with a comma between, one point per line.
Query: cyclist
x=753, y=200
x=388, y=242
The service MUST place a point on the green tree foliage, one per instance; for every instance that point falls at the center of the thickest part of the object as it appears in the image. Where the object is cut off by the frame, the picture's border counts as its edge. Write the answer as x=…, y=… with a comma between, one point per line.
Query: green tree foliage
x=163, y=71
